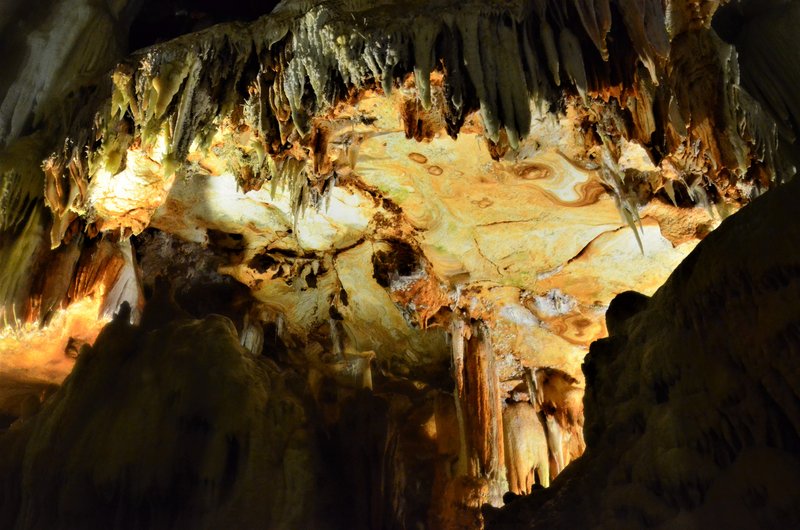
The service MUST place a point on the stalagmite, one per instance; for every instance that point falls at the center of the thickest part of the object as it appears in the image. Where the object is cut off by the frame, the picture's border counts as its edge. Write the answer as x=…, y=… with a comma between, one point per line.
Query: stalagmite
x=675, y=391
x=555, y=442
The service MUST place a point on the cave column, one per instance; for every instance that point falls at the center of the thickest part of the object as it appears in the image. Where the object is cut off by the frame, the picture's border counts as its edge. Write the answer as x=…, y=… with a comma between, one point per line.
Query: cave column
x=478, y=405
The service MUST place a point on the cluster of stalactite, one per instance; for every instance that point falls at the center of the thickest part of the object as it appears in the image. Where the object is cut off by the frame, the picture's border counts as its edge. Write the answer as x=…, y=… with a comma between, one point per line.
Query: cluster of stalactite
x=642, y=73
x=510, y=443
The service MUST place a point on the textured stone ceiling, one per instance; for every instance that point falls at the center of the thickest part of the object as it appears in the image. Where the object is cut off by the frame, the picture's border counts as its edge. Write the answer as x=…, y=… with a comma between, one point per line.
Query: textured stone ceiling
x=532, y=242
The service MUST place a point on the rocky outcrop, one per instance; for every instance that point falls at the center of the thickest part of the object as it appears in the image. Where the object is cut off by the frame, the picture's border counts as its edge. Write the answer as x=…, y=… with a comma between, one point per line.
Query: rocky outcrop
x=169, y=424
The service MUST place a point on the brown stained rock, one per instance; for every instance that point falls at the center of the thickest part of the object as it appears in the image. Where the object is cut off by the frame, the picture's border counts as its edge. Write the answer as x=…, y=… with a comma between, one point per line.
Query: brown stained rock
x=353, y=137
x=678, y=225
x=418, y=123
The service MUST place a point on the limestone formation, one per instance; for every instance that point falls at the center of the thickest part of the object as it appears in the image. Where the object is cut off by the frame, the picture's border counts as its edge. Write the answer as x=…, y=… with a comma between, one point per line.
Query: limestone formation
x=339, y=237
x=526, y=448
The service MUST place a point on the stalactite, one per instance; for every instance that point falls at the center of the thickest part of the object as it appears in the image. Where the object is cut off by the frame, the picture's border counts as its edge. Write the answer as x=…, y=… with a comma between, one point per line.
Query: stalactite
x=596, y=18
x=336, y=337
x=457, y=343
x=252, y=335
x=550, y=50
x=531, y=383
x=425, y=32
x=480, y=405
x=644, y=21
x=574, y=64
x=555, y=442
x=560, y=400
x=308, y=60
x=526, y=448
x=671, y=444
x=479, y=475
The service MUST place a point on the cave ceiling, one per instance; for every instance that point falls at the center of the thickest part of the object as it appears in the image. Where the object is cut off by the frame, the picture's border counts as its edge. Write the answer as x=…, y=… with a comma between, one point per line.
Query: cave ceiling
x=366, y=172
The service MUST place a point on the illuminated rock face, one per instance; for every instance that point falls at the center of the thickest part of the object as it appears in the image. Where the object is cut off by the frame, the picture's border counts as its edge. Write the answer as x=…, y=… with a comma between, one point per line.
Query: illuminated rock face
x=691, y=405
x=419, y=216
